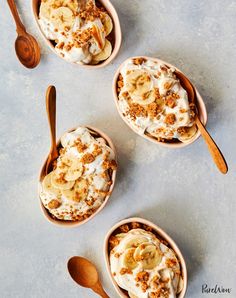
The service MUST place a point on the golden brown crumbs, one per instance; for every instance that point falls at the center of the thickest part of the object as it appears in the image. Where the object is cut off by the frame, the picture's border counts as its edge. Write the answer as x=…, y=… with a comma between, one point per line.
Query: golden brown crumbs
x=139, y=61
x=183, y=111
x=170, y=119
x=144, y=286
x=135, y=225
x=117, y=255
x=147, y=228
x=142, y=276
x=54, y=204
x=97, y=150
x=109, y=164
x=124, y=228
x=87, y=158
x=171, y=263
x=136, y=110
x=124, y=271
x=113, y=241
x=170, y=102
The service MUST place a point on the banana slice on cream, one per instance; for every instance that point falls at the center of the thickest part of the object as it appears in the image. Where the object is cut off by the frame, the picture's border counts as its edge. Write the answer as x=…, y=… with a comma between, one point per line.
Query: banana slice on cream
x=104, y=54
x=189, y=134
x=58, y=181
x=148, y=254
x=128, y=259
x=48, y=187
x=78, y=192
x=135, y=242
x=140, y=87
x=45, y=9
x=62, y=18
x=71, y=4
x=107, y=23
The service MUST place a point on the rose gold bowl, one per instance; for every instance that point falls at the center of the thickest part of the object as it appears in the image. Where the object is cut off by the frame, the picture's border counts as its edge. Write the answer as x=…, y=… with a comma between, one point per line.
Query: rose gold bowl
x=115, y=34
x=163, y=235
x=69, y=224
x=199, y=101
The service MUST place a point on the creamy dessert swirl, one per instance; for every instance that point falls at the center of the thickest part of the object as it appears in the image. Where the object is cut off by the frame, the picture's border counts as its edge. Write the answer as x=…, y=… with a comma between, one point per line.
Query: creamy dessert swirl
x=144, y=266
x=153, y=102
x=81, y=178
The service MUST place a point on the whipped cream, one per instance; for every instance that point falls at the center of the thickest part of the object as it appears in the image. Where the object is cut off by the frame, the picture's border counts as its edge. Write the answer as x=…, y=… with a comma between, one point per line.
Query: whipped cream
x=153, y=102
x=141, y=264
x=78, y=29
x=82, y=177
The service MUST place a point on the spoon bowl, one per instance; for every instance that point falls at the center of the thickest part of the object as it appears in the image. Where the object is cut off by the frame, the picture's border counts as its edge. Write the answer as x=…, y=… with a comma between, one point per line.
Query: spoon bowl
x=84, y=273
x=27, y=50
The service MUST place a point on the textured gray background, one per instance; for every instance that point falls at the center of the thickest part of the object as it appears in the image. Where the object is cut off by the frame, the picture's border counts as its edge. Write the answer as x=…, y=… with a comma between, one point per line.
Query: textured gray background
x=180, y=190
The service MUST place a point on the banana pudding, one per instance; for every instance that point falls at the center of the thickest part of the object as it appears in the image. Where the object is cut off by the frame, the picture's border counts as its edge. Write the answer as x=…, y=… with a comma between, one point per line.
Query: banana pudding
x=143, y=264
x=152, y=101
x=79, y=29
x=81, y=178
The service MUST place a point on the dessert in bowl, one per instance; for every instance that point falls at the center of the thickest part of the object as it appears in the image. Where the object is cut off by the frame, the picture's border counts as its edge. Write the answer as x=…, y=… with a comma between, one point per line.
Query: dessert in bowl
x=81, y=179
x=84, y=32
x=143, y=261
x=152, y=101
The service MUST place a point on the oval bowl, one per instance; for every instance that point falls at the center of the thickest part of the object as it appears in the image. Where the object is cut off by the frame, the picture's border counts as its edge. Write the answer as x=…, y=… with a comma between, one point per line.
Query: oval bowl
x=64, y=223
x=199, y=102
x=163, y=235
x=116, y=33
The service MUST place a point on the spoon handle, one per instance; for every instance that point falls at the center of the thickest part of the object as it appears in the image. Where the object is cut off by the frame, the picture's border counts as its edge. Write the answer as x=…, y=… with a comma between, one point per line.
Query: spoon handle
x=213, y=148
x=20, y=28
x=51, y=112
x=99, y=290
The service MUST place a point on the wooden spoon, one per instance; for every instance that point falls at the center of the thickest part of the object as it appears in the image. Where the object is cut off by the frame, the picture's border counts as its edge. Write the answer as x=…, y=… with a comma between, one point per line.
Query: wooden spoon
x=213, y=148
x=27, y=48
x=84, y=273
x=51, y=112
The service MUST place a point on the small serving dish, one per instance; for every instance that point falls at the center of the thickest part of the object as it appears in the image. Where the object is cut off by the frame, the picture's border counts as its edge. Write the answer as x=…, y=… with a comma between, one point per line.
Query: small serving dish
x=96, y=133
x=163, y=236
x=199, y=104
x=114, y=37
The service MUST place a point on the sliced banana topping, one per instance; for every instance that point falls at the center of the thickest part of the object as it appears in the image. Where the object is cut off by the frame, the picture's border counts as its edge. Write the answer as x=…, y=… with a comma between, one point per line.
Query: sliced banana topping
x=128, y=259
x=62, y=18
x=104, y=54
x=47, y=186
x=59, y=181
x=148, y=254
x=140, y=87
x=78, y=192
x=188, y=134
x=45, y=9
x=107, y=23
x=135, y=242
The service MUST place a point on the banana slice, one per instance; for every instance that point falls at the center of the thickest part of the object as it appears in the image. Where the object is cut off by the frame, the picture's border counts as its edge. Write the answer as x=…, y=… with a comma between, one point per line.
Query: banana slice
x=48, y=187
x=135, y=242
x=189, y=134
x=148, y=254
x=71, y=4
x=78, y=192
x=58, y=181
x=107, y=23
x=128, y=259
x=140, y=87
x=104, y=54
x=70, y=166
x=45, y=9
x=62, y=17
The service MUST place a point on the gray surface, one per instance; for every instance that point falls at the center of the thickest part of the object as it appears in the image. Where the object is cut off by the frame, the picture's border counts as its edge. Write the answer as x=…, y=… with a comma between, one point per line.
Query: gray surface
x=180, y=190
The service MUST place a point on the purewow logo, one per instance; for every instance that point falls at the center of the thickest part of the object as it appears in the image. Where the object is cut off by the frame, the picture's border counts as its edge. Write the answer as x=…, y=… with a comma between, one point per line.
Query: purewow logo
x=215, y=290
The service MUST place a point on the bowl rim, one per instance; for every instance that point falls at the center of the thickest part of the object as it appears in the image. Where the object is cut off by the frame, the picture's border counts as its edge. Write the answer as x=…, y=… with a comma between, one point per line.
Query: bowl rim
x=159, y=231
x=71, y=224
x=200, y=105
x=117, y=34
